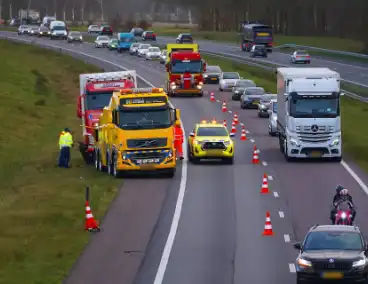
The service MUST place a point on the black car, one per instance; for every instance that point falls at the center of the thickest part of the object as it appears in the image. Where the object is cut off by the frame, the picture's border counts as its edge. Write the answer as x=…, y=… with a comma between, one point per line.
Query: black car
x=239, y=88
x=251, y=97
x=332, y=253
x=43, y=31
x=184, y=38
x=75, y=37
x=149, y=35
x=106, y=30
x=258, y=51
x=212, y=74
x=137, y=31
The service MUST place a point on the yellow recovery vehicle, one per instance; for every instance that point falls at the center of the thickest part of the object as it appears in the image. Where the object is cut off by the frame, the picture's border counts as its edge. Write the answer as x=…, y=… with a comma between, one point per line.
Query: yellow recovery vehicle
x=136, y=133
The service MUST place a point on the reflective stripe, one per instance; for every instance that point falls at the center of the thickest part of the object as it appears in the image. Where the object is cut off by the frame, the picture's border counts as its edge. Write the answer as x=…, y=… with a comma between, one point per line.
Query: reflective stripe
x=89, y=216
x=88, y=208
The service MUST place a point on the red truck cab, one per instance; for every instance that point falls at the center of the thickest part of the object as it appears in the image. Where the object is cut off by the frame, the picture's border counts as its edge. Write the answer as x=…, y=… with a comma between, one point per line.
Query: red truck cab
x=95, y=95
x=185, y=73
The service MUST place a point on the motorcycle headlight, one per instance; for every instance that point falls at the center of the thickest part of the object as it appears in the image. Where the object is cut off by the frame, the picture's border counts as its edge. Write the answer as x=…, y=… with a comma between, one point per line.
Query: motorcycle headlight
x=360, y=262
x=343, y=215
x=303, y=262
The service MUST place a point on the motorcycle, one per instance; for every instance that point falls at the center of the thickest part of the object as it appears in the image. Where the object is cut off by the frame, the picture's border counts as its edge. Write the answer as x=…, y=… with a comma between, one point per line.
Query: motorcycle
x=344, y=217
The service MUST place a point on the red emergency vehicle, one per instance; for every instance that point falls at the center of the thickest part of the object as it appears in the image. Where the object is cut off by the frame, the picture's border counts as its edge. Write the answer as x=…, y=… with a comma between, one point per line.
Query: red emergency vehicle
x=95, y=93
x=185, y=73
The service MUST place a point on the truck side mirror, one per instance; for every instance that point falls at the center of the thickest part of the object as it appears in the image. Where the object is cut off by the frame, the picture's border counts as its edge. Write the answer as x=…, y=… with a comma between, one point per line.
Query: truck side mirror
x=79, y=107
x=107, y=113
x=177, y=114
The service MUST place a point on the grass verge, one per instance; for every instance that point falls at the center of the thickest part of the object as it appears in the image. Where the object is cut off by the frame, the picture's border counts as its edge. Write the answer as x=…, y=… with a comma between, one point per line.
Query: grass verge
x=354, y=113
x=42, y=206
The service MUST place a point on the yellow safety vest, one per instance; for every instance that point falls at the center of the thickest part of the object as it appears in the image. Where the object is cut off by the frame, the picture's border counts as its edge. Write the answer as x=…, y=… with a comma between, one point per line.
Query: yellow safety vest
x=66, y=140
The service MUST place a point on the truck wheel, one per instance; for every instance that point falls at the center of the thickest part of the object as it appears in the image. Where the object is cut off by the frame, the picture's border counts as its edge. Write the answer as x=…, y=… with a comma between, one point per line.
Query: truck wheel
x=110, y=167
x=101, y=167
x=171, y=173
x=287, y=157
x=97, y=160
x=115, y=172
x=281, y=145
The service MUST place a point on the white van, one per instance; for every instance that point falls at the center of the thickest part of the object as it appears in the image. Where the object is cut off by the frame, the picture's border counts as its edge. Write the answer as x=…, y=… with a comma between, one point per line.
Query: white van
x=58, y=30
x=47, y=20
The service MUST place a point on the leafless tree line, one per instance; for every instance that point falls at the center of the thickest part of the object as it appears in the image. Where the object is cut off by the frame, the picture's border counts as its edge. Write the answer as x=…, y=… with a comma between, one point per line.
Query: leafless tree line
x=338, y=18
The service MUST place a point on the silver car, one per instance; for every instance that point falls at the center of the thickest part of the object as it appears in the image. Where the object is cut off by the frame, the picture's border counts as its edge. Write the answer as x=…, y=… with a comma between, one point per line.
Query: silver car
x=251, y=97
x=300, y=56
x=272, y=120
x=163, y=56
x=142, y=49
x=94, y=29
x=239, y=88
x=23, y=29
x=75, y=37
x=33, y=31
x=228, y=80
x=264, y=104
x=102, y=41
x=153, y=53
x=133, y=48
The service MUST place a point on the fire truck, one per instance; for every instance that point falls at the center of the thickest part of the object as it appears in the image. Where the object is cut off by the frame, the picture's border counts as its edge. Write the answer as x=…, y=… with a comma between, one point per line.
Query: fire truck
x=184, y=67
x=136, y=133
x=96, y=90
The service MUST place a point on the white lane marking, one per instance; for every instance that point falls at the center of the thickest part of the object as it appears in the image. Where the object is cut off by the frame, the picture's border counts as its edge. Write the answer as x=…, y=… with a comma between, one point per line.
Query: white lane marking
x=247, y=131
x=264, y=163
x=287, y=238
x=355, y=176
x=292, y=268
x=270, y=178
x=276, y=194
x=182, y=188
x=252, y=140
x=230, y=111
x=218, y=101
x=241, y=124
x=281, y=214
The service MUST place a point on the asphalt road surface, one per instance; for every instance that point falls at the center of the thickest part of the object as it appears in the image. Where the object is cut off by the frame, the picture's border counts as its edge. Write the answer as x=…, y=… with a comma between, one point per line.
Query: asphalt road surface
x=354, y=72
x=218, y=239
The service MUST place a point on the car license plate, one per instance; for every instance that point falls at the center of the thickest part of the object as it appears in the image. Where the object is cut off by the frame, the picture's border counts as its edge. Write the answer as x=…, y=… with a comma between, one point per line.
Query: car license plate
x=315, y=154
x=213, y=79
x=147, y=161
x=332, y=275
x=256, y=102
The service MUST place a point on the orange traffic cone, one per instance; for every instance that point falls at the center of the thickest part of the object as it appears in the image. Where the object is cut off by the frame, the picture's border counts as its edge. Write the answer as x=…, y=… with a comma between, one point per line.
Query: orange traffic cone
x=264, y=187
x=268, y=226
x=255, y=159
x=233, y=128
x=236, y=118
x=243, y=137
x=225, y=124
x=212, y=97
x=224, y=107
x=91, y=223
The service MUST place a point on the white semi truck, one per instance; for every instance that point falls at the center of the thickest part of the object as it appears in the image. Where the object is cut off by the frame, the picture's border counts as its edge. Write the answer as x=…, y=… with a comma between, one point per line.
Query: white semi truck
x=308, y=121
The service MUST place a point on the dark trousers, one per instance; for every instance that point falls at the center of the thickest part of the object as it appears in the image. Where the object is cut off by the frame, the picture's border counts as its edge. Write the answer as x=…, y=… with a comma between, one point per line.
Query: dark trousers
x=64, y=157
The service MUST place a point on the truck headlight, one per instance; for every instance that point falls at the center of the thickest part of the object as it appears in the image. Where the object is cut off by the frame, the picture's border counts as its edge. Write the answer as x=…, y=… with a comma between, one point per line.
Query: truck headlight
x=171, y=154
x=199, y=87
x=335, y=142
x=262, y=106
x=303, y=262
x=360, y=262
x=294, y=142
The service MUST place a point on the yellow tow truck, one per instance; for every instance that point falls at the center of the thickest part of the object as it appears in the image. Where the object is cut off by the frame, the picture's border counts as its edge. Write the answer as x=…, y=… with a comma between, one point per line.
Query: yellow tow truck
x=136, y=133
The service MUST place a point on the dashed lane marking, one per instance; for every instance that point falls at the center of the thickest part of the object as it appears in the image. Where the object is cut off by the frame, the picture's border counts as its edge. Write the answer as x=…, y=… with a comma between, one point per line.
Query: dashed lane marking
x=264, y=163
x=292, y=268
x=281, y=214
x=247, y=131
x=218, y=101
x=252, y=140
x=276, y=194
x=287, y=238
x=270, y=178
x=230, y=111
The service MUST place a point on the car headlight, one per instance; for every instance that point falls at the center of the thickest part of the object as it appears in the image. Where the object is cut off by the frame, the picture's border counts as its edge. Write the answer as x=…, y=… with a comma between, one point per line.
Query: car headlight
x=205, y=75
x=360, y=262
x=262, y=106
x=236, y=92
x=294, y=142
x=81, y=38
x=227, y=143
x=303, y=262
x=335, y=142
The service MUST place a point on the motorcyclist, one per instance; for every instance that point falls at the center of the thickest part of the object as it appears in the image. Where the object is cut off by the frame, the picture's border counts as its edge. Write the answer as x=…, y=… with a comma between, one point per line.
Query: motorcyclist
x=342, y=195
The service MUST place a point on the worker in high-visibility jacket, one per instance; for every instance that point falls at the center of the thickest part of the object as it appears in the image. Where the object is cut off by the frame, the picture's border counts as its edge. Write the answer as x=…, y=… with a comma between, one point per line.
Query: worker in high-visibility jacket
x=178, y=140
x=65, y=143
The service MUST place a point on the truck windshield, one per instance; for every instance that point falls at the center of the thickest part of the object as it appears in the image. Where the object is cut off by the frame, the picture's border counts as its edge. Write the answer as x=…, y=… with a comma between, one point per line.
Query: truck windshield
x=97, y=100
x=179, y=67
x=316, y=108
x=145, y=119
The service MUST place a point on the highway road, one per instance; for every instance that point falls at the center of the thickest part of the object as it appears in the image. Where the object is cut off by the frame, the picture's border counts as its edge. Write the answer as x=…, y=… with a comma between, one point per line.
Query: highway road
x=218, y=239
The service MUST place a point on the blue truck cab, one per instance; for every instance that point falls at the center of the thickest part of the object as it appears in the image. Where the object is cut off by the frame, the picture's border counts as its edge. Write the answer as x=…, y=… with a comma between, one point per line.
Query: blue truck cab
x=125, y=40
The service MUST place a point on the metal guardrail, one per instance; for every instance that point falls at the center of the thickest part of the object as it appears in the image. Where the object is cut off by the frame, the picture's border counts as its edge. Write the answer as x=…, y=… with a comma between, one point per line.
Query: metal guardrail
x=339, y=52
x=251, y=62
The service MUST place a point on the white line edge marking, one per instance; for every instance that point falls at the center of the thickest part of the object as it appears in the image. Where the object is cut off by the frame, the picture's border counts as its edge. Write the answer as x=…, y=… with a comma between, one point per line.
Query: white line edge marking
x=281, y=214
x=264, y=163
x=287, y=238
x=183, y=182
x=292, y=268
x=230, y=111
x=276, y=194
x=218, y=101
x=270, y=177
x=252, y=140
x=355, y=176
x=247, y=131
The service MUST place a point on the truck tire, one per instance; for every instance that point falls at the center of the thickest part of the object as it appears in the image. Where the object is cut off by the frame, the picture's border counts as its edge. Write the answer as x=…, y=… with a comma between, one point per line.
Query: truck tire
x=286, y=155
x=115, y=172
x=170, y=173
x=281, y=144
x=97, y=160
